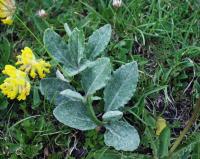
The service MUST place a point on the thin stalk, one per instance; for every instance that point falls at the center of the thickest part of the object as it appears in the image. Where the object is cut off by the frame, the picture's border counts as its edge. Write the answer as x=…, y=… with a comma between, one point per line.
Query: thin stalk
x=29, y=30
x=91, y=112
x=190, y=122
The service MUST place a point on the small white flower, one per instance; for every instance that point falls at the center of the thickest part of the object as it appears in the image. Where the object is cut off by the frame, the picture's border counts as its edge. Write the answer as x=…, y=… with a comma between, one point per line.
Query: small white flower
x=41, y=13
x=117, y=3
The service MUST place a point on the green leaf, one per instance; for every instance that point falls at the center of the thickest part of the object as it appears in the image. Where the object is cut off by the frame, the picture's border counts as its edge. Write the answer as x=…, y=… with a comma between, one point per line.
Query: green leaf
x=105, y=153
x=4, y=52
x=36, y=97
x=69, y=55
x=67, y=29
x=122, y=136
x=74, y=114
x=51, y=88
x=150, y=140
x=56, y=46
x=60, y=76
x=112, y=115
x=96, y=76
x=78, y=69
x=187, y=147
x=121, y=87
x=164, y=142
x=76, y=46
x=96, y=98
x=3, y=102
x=73, y=95
x=98, y=41
x=196, y=151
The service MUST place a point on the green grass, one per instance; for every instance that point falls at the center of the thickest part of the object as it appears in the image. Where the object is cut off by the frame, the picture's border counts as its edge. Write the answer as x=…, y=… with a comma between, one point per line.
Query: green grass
x=162, y=36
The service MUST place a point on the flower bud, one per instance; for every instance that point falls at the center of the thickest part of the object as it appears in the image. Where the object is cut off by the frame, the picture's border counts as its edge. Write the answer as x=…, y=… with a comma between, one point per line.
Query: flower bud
x=160, y=125
x=41, y=13
x=117, y=3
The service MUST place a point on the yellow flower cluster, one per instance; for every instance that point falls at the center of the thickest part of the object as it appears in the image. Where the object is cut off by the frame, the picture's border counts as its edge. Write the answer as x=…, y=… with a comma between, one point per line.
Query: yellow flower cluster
x=31, y=65
x=7, y=10
x=17, y=84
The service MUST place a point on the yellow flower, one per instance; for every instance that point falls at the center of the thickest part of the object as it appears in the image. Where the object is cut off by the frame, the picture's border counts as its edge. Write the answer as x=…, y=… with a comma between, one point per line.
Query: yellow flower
x=7, y=10
x=7, y=21
x=11, y=71
x=160, y=125
x=31, y=65
x=16, y=85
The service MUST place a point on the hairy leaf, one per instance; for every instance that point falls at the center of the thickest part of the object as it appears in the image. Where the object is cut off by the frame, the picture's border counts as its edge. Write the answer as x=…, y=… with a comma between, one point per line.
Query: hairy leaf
x=76, y=46
x=96, y=76
x=51, y=88
x=122, y=136
x=121, y=87
x=56, y=46
x=112, y=115
x=60, y=76
x=98, y=41
x=73, y=95
x=70, y=55
x=78, y=69
x=74, y=114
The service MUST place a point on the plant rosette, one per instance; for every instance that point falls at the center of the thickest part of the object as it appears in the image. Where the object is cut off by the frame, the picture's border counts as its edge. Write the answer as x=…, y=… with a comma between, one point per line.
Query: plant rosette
x=79, y=58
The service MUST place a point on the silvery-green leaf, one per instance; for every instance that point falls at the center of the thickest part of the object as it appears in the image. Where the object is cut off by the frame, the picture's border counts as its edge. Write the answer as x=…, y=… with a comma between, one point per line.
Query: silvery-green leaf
x=57, y=47
x=67, y=29
x=60, y=76
x=73, y=95
x=112, y=115
x=95, y=98
x=74, y=114
x=70, y=55
x=76, y=46
x=76, y=70
x=121, y=86
x=96, y=75
x=98, y=41
x=122, y=136
x=51, y=88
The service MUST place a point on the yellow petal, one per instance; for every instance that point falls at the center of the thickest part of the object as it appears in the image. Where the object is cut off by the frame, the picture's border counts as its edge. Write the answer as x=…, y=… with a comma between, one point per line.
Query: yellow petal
x=27, y=55
x=16, y=85
x=7, y=10
x=8, y=21
x=10, y=71
x=31, y=65
x=16, y=88
x=32, y=73
x=2, y=14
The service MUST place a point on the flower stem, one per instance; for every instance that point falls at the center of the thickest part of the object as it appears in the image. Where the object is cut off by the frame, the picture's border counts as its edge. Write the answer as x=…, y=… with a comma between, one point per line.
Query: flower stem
x=29, y=31
x=91, y=112
x=190, y=122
